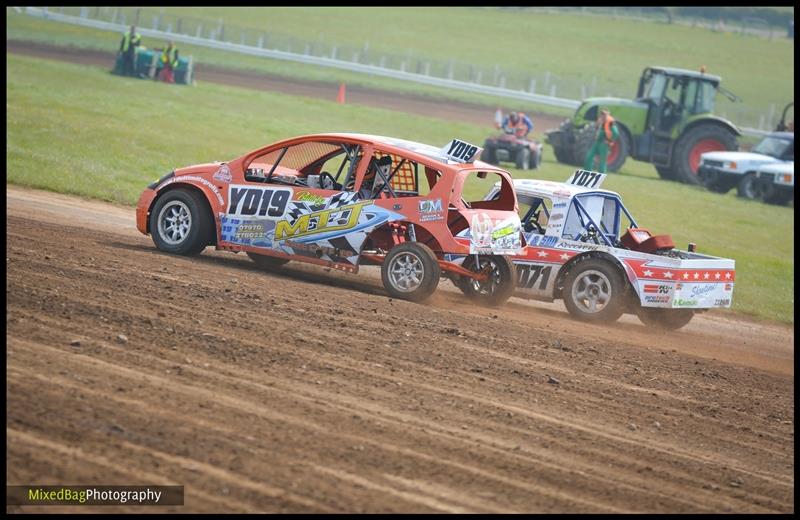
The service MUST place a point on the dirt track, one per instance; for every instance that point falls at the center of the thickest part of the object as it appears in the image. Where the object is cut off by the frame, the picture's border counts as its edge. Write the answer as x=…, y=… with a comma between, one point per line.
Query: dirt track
x=413, y=104
x=306, y=390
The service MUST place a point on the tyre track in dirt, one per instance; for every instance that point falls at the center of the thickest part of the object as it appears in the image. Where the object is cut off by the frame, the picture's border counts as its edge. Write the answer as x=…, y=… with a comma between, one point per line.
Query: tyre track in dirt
x=409, y=103
x=304, y=390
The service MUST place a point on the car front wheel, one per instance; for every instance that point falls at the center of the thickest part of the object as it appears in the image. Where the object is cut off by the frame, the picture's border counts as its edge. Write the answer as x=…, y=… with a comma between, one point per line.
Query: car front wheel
x=180, y=222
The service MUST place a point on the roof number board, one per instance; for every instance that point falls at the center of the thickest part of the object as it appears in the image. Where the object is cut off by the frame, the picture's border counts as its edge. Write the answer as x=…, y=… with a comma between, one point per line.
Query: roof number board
x=461, y=151
x=587, y=179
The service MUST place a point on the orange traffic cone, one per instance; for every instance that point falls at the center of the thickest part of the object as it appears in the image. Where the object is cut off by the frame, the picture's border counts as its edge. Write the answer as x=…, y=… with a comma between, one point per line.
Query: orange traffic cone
x=340, y=97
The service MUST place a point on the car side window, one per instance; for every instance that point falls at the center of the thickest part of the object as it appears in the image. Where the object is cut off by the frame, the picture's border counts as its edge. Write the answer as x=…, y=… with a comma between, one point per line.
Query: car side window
x=304, y=164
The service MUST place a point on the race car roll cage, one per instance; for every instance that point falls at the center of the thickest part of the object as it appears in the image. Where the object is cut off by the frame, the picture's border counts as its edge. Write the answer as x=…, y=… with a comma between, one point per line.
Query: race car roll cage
x=586, y=221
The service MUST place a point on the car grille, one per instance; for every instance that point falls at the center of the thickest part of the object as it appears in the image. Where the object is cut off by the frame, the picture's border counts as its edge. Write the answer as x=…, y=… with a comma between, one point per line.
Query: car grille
x=714, y=164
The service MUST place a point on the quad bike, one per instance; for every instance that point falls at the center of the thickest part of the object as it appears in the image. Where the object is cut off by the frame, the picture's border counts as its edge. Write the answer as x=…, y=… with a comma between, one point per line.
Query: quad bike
x=526, y=154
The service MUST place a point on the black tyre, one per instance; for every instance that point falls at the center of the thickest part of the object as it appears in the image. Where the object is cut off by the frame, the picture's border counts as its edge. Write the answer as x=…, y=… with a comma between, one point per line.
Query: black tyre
x=489, y=154
x=267, y=262
x=666, y=172
x=537, y=161
x=500, y=285
x=691, y=145
x=563, y=155
x=523, y=159
x=749, y=187
x=410, y=272
x=181, y=222
x=594, y=290
x=666, y=319
x=780, y=199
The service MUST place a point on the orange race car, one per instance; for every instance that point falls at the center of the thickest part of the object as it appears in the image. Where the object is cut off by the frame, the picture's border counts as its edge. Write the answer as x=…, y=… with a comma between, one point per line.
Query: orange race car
x=346, y=200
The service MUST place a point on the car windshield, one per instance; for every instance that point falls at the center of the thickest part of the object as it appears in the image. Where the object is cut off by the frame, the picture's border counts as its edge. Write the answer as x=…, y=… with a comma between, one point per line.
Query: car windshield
x=773, y=146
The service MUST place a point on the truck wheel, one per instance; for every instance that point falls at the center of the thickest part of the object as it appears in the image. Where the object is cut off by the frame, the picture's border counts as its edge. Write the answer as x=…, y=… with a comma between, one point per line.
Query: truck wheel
x=500, y=285
x=665, y=172
x=666, y=319
x=267, y=262
x=748, y=187
x=410, y=272
x=181, y=223
x=694, y=143
x=523, y=159
x=489, y=154
x=594, y=290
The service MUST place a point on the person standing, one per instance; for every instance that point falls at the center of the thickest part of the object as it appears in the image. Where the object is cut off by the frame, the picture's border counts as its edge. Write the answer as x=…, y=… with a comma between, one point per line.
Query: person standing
x=168, y=63
x=605, y=136
x=130, y=41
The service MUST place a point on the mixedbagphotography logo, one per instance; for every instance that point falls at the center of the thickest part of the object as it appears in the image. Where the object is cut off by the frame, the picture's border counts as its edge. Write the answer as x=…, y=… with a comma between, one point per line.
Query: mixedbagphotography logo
x=94, y=495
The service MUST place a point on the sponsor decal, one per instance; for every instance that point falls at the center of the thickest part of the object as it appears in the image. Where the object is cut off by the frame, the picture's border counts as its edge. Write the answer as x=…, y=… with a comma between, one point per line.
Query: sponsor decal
x=461, y=151
x=202, y=180
x=656, y=289
x=250, y=230
x=320, y=250
x=556, y=216
x=223, y=173
x=247, y=201
x=500, y=238
x=680, y=302
x=430, y=210
x=580, y=245
x=543, y=241
x=728, y=287
x=558, y=205
x=324, y=221
x=397, y=207
x=725, y=302
x=656, y=298
x=314, y=200
x=702, y=289
x=529, y=274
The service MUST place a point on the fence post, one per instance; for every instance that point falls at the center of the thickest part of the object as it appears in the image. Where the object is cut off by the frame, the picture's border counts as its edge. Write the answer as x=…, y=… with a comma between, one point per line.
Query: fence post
x=502, y=81
x=771, y=117
x=403, y=66
x=333, y=52
x=261, y=42
x=155, y=23
x=532, y=86
x=178, y=26
x=122, y=20
x=221, y=30
x=546, y=79
x=199, y=31
x=553, y=90
x=593, y=87
x=427, y=68
x=169, y=27
x=242, y=40
x=113, y=15
x=84, y=12
x=479, y=77
x=450, y=70
x=307, y=50
x=583, y=92
x=761, y=122
x=382, y=62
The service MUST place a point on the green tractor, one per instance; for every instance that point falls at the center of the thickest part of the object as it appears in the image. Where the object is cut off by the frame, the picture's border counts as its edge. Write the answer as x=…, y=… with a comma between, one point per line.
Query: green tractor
x=669, y=124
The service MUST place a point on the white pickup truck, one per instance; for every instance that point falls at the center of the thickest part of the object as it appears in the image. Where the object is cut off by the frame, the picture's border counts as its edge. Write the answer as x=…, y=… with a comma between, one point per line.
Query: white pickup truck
x=721, y=171
x=775, y=181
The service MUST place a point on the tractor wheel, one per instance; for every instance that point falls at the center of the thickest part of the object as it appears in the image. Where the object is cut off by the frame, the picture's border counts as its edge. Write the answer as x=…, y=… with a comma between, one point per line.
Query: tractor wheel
x=583, y=142
x=697, y=141
x=523, y=159
x=410, y=271
x=666, y=173
x=567, y=154
x=562, y=155
x=489, y=154
x=618, y=152
x=666, y=319
x=181, y=223
x=594, y=290
x=498, y=288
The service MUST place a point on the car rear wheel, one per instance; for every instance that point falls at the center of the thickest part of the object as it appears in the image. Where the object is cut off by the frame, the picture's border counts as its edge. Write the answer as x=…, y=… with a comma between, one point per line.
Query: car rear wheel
x=410, y=271
x=500, y=285
x=267, y=262
x=666, y=319
x=594, y=290
x=180, y=222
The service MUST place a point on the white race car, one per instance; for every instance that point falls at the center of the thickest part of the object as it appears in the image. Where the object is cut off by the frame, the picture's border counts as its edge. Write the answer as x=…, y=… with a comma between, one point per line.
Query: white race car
x=775, y=182
x=584, y=246
x=721, y=171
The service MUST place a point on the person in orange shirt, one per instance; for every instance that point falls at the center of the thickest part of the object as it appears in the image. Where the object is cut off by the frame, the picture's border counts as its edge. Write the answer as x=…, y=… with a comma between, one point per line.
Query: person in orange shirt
x=606, y=134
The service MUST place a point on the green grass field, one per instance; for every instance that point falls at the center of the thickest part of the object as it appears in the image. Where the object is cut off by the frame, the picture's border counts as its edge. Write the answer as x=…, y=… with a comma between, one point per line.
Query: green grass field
x=82, y=131
x=612, y=50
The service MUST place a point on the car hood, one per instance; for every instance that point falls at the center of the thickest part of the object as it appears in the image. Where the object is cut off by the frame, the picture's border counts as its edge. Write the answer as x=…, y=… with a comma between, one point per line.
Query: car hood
x=781, y=167
x=738, y=157
x=198, y=168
